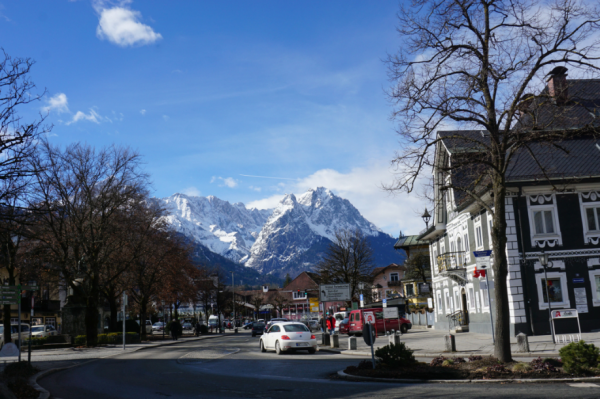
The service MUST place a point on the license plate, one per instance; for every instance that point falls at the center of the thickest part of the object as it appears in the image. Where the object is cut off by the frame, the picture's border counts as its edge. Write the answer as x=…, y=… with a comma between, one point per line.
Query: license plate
x=301, y=344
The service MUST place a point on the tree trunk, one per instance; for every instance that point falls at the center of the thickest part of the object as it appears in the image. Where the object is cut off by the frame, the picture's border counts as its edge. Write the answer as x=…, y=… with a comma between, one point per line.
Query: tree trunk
x=114, y=311
x=143, y=310
x=6, y=322
x=502, y=348
x=91, y=321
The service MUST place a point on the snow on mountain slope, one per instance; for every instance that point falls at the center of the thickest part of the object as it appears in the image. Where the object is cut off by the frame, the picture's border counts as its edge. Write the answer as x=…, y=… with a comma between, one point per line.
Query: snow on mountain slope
x=298, y=224
x=226, y=229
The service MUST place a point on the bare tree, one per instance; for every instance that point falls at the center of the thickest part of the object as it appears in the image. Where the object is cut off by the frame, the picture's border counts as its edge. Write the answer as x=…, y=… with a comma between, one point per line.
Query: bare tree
x=82, y=199
x=472, y=64
x=279, y=302
x=348, y=259
x=418, y=267
x=257, y=301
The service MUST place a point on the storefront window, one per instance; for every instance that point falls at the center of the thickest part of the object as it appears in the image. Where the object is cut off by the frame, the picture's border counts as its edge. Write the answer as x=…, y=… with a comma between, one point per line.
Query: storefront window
x=597, y=286
x=554, y=290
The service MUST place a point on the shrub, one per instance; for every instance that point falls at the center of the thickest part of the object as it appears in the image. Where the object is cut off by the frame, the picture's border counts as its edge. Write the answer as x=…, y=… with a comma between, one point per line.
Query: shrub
x=365, y=365
x=474, y=358
x=521, y=367
x=458, y=360
x=130, y=326
x=579, y=357
x=395, y=355
x=553, y=361
x=203, y=329
x=498, y=368
x=437, y=361
x=80, y=340
x=102, y=339
x=447, y=363
x=36, y=341
x=20, y=369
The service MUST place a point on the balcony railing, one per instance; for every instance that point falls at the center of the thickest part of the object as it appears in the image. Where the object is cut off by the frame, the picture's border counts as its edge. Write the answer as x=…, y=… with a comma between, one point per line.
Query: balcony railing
x=394, y=283
x=452, y=261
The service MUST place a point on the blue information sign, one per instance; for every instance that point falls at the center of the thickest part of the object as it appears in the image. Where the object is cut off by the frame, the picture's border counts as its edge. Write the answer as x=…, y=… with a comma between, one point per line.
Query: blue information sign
x=579, y=280
x=482, y=253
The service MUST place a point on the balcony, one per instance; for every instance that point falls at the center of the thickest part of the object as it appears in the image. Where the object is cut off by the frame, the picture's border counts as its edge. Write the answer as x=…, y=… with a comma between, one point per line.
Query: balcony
x=394, y=283
x=451, y=261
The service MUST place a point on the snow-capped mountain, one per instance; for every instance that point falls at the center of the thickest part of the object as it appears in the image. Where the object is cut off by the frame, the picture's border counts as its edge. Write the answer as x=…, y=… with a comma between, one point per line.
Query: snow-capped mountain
x=290, y=238
x=300, y=223
x=226, y=229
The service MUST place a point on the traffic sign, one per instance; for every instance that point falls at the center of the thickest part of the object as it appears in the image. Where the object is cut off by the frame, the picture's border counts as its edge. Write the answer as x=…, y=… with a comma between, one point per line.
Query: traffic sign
x=482, y=262
x=369, y=317
x=362, y=302
x=482, y=253
x=334, y=292
x=384, y=303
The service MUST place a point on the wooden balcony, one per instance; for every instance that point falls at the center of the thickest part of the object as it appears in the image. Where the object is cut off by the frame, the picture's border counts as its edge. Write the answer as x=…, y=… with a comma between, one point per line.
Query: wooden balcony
x=394, y=283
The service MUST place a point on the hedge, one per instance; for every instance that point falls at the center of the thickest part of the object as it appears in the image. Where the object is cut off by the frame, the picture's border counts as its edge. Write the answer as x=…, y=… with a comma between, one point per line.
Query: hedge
x=111, y=338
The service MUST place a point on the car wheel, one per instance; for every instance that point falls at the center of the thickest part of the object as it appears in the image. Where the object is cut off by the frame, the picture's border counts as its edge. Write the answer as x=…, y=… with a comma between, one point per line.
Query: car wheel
x=312, y=351
x=403, y=328
x=262, y=346
x=277, y=348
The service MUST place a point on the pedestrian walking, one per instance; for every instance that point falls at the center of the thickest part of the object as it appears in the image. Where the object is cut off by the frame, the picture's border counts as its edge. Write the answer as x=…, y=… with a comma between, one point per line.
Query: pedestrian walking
x=322, y=324
x=175, y=329
x=331, y=324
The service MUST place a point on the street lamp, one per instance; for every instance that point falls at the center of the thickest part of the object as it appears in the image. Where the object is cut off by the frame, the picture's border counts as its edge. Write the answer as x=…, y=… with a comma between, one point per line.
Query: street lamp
x=426, y=217
x=543, y=258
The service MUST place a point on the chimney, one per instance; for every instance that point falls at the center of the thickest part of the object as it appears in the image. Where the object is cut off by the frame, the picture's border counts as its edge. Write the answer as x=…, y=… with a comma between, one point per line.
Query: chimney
x=557, y=85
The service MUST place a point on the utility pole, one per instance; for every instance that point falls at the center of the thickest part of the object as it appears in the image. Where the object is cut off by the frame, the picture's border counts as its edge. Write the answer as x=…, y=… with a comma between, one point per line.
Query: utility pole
x=124, y=304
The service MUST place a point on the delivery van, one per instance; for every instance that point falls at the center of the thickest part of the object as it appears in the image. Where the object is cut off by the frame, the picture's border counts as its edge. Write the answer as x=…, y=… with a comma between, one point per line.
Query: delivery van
x=357, y=319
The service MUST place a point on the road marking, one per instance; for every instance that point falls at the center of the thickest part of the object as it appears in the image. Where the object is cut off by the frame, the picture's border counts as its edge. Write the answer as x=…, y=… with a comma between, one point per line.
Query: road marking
x=584, y=385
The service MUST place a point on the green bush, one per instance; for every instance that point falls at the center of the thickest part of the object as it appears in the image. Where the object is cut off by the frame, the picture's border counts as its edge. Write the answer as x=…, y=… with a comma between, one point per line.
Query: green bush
x=579, y=357
x=80, y=340
x=395, y=355
x=521, y=367
x=447, y=363
x=203, y=329
x=36, y=341
x=102, y=339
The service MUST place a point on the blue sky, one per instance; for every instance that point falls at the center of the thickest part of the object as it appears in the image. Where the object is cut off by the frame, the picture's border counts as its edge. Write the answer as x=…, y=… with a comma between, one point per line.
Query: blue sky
x=211, y=93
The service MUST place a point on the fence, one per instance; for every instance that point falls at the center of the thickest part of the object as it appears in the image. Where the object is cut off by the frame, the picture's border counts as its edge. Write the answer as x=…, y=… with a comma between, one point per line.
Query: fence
x=418, y=319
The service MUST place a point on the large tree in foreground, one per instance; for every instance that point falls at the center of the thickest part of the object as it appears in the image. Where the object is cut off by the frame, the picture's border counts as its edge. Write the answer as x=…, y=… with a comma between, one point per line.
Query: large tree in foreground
x=471, y=64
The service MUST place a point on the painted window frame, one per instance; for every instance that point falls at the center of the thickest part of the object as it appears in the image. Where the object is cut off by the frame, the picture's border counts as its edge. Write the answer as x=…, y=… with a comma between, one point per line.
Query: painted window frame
x=553, y=207
x=595, y=288
x=457, y=299
x=396, y=274
x=471, y=298
x=447, y=301
x=589, y=236
x=297, y=297
x=566, y=303
x=440, y=302
x=478, y=228
x=484, y=297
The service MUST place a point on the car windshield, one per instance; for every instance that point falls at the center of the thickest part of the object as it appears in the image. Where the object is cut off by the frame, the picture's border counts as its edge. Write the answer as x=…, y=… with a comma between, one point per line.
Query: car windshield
x=339, y=317
x=37, y=329
x=295, y=328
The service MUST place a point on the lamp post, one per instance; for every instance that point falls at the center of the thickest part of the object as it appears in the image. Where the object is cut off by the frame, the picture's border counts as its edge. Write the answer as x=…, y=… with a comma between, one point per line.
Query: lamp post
x=426, y=217
x=233, y=303
x=543, y=258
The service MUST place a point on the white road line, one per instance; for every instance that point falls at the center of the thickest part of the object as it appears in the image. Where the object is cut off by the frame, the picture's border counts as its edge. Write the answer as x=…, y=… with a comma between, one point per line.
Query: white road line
x=584, y=385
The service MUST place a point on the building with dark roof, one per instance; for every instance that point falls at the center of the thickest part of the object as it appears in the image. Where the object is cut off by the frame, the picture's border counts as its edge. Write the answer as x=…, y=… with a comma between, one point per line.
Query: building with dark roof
x=552, y=204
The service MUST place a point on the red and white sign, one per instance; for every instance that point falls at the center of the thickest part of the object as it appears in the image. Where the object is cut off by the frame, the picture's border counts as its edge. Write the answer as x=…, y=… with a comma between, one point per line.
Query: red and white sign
x=564, y=313
x=369, y=317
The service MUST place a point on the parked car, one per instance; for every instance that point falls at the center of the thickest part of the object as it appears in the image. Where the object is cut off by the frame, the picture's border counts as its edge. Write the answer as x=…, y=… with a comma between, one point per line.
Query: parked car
x=148, y=325
x=14, y=329
x=158, y=326
x=258, y=328
x=248, y=325
x=213, y=321
x=276, y=320
x=187, y=326
x=43, y=331
x=357, y=319
x=339, y=317
x=288, y=336
x=344, y=326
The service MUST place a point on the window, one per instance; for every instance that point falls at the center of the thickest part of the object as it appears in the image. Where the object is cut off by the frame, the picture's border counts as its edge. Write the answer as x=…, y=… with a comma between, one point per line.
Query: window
x=448, y=300
x=597, y=281
x=440, y=304
x=478, y=237
x=593, y=218
x=484, y=296
x=51, y=321
x=457, y=301
x=295, y=328
x=557, y=290
x=471, y=299
x=274, y=328
x=477, y=302
x=410, y=289
x=299, y=295
x=544, y=222
x=394, y=277
x=554, y=290
x=595, y=285
x=466, y=237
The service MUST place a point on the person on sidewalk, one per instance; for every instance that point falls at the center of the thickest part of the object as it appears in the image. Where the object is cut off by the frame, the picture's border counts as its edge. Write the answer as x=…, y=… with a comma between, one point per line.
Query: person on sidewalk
x=322, y=324
x=331, y=324
x=175, y=329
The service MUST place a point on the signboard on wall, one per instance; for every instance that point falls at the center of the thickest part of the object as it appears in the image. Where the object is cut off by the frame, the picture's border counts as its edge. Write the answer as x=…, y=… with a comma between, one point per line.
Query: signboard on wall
x=581, y=302
x=390, y=313
x=424, y=288
x=564, y=313
x=314, y=304
x=334, y=292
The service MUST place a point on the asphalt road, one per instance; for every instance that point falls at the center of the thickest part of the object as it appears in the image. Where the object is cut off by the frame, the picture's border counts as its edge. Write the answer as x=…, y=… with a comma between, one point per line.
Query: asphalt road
x=234, y=367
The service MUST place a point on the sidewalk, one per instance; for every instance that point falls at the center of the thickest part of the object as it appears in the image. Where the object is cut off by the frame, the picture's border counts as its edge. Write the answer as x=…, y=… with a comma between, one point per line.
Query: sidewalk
x=45, y=359
x=430, y=343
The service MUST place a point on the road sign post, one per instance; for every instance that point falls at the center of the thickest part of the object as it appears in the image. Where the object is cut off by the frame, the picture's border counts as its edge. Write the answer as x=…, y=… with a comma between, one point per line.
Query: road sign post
x=362, y=302
x=19, y=335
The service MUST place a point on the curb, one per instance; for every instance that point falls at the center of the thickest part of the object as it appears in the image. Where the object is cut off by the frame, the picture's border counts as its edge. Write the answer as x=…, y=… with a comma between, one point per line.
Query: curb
x=45, y=394
x=518, y=380
x=453, y=354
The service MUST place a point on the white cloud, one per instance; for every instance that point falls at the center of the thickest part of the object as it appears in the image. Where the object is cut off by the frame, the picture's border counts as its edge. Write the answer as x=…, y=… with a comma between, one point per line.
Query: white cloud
x=121, y=26
x=191, y=191
x=93, y=116
x=227, y=181
x=255, y=188
x=166, y=117
x=143, y=112
x=57, y=103
x=362, y=187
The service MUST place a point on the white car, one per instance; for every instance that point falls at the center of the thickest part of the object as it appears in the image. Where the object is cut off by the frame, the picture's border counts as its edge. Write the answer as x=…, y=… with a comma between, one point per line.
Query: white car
x=158, y=326
x=42, y=331
x=15, y=333
x=288, y=336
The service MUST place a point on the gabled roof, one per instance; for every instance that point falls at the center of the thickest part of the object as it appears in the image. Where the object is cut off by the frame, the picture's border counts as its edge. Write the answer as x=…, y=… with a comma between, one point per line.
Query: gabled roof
x=379, y=270
x=409, y=241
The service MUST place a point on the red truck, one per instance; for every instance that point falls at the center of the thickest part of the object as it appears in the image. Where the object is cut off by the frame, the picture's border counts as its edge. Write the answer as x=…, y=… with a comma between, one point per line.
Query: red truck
x=357, y=318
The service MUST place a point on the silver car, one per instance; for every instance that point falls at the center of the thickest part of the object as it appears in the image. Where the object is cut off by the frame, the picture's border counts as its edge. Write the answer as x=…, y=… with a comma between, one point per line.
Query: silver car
x=14, y=328
x=43, y=331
